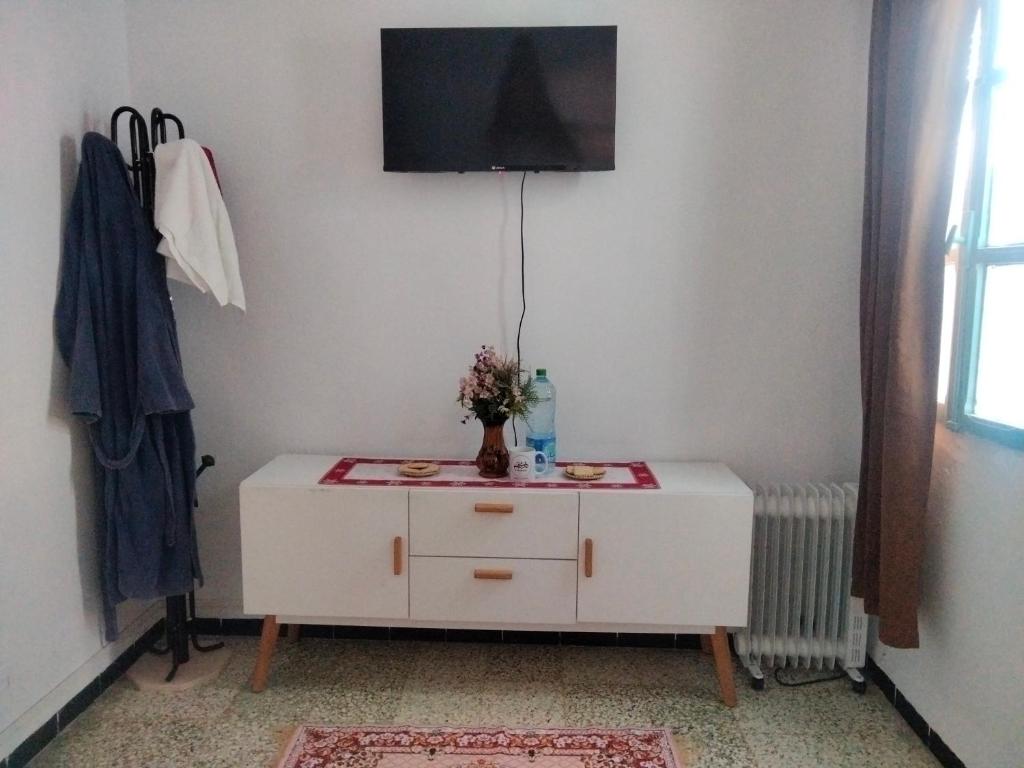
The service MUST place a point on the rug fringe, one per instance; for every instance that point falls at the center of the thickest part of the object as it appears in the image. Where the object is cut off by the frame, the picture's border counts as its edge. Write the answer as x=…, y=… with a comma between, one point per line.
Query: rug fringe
x=286, y=739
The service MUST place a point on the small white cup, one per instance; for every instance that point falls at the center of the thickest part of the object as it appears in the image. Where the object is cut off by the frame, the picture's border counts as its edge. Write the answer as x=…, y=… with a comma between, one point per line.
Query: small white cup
x=522, y=463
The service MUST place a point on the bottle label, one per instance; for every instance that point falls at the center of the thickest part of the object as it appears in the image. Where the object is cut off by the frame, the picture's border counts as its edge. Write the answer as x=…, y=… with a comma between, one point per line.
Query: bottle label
x=545, y=445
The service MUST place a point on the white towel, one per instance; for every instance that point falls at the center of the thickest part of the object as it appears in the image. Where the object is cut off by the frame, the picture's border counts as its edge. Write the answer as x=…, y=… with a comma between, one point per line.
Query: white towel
x=189, y=212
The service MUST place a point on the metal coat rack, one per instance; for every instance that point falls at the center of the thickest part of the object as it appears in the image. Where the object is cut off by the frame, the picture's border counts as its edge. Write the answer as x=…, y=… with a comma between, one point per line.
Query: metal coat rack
x=180, y=625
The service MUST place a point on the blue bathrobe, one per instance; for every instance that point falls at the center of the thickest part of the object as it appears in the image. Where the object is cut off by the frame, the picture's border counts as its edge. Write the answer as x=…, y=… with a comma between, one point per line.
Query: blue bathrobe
x=115, y=330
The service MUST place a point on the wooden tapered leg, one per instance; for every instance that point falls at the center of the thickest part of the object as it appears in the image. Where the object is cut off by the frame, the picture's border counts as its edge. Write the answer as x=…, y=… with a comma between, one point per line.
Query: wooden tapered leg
x=268, y=641
x=705, y=644
x=294, y=630
x=723, y=666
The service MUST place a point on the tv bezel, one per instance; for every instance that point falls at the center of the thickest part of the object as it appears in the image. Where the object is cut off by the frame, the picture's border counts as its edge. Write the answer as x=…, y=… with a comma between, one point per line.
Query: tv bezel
x=537, y=168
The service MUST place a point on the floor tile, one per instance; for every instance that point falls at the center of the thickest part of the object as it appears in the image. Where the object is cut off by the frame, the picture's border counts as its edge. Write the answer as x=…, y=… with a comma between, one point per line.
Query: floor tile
x=713, y=747
x=481, y=702
x=828, y=705
x=232, y=743
x=123, y=702
x=476, y=662
x=113, y=744
x=347, y=682
x=836, y=750
x=682, y=670
x=828, y=725
x=332, y=704
x=664, y=707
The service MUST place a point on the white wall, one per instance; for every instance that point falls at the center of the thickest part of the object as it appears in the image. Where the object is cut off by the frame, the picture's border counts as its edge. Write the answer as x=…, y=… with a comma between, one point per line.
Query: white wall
x=966, y=677
x=62, y=71
x=698, y=302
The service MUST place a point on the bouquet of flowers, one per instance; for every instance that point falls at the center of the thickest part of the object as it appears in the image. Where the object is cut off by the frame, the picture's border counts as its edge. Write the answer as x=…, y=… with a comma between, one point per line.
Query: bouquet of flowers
x=495, y=389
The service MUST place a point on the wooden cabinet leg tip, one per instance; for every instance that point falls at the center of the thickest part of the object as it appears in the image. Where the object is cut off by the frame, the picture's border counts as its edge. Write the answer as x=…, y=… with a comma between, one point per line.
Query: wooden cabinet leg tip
x=723, y=666
x=268, y=642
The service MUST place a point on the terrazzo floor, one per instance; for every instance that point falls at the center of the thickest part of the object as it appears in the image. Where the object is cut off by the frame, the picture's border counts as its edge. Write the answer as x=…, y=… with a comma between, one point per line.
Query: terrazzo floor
x=422, y=683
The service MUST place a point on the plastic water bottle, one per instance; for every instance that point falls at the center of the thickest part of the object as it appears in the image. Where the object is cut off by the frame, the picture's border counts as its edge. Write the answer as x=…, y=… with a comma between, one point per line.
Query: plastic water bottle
x=541, y=422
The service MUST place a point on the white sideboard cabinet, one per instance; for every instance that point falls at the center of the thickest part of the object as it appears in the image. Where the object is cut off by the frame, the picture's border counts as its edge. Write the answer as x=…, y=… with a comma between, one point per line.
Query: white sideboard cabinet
x=674, y=559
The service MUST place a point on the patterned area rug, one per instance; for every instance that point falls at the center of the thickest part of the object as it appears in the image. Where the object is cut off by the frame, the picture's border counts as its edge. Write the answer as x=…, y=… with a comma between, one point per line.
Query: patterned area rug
x=401, y=747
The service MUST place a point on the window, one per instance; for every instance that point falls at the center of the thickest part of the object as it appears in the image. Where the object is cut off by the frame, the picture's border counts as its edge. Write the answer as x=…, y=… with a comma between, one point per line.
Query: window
x=981, y=371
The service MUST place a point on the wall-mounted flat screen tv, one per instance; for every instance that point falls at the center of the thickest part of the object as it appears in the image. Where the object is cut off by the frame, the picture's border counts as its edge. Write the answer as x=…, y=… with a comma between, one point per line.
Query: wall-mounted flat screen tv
x=499, y=98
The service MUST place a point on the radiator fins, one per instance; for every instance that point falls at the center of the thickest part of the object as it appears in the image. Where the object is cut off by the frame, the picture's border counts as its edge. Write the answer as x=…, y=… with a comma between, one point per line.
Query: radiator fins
x=801, y=613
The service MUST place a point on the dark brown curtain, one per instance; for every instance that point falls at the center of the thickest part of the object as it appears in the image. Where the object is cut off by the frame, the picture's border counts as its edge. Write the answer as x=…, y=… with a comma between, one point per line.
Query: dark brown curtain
x=916, y=90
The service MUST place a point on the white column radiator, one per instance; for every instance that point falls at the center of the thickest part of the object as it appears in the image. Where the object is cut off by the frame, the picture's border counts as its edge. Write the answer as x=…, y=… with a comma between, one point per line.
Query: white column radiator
x=801, y=611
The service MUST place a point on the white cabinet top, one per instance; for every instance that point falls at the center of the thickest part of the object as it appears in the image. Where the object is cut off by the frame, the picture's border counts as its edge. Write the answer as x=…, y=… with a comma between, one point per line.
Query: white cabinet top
x=701, y=478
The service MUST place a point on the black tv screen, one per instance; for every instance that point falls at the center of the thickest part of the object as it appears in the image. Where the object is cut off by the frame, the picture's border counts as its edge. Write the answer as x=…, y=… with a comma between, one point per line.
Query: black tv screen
x=503, y=98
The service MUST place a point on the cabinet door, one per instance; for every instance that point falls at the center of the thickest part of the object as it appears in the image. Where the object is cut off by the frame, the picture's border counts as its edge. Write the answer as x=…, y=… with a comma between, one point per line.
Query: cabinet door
x=325, y=552
x=665, y=559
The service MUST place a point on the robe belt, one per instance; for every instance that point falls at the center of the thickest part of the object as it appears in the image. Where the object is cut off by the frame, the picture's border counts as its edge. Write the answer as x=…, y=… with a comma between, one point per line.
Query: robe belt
x=134, y=441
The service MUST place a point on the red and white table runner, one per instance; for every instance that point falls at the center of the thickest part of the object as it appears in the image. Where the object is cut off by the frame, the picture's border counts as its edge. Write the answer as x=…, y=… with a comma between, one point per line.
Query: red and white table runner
x=619, y=475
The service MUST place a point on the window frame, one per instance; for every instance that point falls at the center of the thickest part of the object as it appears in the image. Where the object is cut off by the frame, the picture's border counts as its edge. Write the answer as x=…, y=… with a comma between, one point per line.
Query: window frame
x=972, y=255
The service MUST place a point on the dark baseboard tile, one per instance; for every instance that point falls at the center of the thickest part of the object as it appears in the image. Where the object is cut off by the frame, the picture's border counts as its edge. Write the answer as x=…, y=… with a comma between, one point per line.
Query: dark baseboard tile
x=946, y=757
x=943, y=753
x=880, y=679
x=417, y=633
x=79, y=703
x=361, y=633
x=646, y=640
x=473, y=636
x=241, y=627
x=907, y=711
x=325, y=631
x=34, y=744
x=688, y=642
x=522, y=637
x=207, y=626
x=43, y=735
x=252, y=628
x=590, y=638
x=129, y=657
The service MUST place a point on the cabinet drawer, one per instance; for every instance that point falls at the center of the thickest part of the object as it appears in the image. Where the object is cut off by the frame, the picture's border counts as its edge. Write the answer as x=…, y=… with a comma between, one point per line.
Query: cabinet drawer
x=494, y=523
x=492, y=590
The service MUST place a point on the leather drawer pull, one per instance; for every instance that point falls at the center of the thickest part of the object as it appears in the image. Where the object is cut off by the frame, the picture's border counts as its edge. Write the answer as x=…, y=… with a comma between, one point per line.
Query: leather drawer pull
x=497, y=575
x=588, y=557
x=398, y=555
x=485, y=506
